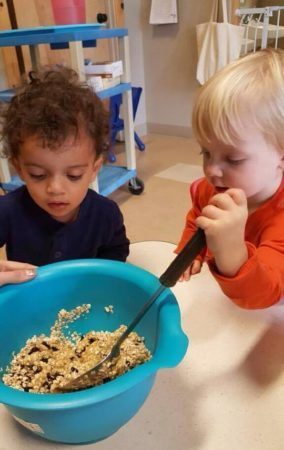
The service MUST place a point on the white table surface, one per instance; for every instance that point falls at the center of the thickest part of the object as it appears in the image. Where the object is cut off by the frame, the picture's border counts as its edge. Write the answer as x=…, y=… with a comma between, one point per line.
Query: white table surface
x=228, y=392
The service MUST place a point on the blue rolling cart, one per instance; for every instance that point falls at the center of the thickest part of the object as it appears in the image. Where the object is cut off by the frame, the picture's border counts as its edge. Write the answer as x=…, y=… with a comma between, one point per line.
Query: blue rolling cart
x=76, y=37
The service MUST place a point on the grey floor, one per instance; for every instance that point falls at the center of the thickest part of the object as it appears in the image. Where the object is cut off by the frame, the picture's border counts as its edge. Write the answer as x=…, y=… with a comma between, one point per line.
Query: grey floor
x=167, y=167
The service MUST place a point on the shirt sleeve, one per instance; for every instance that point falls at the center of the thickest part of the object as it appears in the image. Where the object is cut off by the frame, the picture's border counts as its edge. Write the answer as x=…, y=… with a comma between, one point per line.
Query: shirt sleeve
x=117, y=245
x=260, y=281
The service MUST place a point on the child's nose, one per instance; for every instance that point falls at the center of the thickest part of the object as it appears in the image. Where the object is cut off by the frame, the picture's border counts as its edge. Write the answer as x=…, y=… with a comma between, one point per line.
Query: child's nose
x=55, y=186
x=213, y=170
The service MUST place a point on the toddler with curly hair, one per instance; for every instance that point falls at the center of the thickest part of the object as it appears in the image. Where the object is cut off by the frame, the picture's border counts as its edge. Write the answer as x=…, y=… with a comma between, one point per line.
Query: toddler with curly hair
x=55, y=131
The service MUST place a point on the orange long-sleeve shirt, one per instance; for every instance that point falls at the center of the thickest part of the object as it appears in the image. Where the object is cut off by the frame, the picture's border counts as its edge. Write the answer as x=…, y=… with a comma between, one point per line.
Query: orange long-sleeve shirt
x=260, y=281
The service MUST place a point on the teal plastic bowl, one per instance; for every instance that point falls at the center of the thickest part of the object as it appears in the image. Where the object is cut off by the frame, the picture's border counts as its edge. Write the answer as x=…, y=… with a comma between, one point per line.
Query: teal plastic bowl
x=31, y=308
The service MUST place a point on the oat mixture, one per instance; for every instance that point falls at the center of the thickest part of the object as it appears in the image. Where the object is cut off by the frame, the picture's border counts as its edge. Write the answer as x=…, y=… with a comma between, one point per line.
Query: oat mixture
x=47, y=362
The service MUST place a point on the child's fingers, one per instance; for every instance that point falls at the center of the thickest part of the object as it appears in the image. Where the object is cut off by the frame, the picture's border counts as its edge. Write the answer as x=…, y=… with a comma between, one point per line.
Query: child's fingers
x=16, y=276
x=238, y=196
x=192, y=270
x=196, y=267
x=228, y=199
x=203, y=222
x=186, y=275
x=211, y=211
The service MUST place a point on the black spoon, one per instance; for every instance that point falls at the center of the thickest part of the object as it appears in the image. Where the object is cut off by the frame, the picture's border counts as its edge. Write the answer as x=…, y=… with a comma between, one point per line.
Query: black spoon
x=167, y=279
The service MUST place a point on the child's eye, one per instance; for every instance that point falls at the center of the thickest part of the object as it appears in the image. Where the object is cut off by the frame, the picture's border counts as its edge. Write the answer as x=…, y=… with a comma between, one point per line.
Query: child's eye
x=37, y=177
x=205, y=153
x=235, y=162
x=74, y=177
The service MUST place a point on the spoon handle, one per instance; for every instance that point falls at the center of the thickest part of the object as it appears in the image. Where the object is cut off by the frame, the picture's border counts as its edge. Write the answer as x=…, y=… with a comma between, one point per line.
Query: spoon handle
x=168, y=279
x=184, y=259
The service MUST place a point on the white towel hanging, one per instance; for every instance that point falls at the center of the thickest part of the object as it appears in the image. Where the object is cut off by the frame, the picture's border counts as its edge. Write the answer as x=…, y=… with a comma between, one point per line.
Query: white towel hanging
x=163, y=11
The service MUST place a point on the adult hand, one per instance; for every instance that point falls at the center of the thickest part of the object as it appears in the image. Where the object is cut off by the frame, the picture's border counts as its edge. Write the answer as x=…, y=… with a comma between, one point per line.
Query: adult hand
x=15, y=272
x=223, y=221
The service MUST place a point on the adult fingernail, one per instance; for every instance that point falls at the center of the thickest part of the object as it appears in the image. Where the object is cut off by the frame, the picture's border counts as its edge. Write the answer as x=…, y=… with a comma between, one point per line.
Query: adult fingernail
x=30, y=273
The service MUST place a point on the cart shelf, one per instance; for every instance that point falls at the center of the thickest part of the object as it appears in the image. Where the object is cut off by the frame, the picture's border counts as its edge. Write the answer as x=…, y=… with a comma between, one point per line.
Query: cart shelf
x=110, y=177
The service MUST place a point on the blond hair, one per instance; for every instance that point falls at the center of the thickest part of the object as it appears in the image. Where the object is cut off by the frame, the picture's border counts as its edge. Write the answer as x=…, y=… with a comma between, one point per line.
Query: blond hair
x=247, y=92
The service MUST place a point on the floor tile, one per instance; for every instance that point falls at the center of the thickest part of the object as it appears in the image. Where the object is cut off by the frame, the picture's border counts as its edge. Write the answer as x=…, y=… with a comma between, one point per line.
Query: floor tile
x=185, y=173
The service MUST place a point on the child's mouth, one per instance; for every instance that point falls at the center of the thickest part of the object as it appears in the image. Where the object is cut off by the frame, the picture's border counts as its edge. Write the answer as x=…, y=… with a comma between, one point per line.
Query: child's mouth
x=220, y=189
x=57, y=205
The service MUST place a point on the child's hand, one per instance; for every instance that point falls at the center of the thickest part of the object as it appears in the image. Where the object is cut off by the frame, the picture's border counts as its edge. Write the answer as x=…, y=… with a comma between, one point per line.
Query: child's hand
x=191, y=270
x=223, y=221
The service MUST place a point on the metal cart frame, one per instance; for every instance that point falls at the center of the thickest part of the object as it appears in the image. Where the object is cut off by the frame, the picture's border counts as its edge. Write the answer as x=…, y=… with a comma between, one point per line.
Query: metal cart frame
x=258, y=28
x=110, y=177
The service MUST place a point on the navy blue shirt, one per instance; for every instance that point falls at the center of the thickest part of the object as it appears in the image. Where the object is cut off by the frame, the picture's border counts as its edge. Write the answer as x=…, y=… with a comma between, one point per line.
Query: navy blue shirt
x=31, y=235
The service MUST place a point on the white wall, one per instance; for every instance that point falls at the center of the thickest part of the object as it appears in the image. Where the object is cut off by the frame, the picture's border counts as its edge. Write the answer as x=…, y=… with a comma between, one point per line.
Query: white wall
x=163, y=61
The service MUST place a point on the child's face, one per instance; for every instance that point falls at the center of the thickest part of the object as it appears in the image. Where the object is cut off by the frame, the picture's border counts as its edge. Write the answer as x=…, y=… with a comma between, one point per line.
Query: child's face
x=255, y=166
x=58, y=180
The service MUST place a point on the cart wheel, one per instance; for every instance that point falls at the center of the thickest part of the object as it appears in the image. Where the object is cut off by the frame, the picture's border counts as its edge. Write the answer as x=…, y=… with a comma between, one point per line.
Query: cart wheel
x=136, y=186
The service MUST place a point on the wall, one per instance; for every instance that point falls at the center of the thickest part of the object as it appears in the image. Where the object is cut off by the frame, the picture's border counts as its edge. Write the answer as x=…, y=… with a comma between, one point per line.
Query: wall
x=163, y=61
x=248, y=3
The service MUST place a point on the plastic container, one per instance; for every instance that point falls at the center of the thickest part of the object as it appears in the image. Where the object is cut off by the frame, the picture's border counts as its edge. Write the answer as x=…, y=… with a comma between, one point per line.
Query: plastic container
x=68, y=11
x=30, y=308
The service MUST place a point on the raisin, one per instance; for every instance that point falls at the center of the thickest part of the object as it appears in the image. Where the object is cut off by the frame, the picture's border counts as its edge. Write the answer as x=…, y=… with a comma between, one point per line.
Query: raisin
x=33, y=350
x=106, y=380
x=45, y=344
x=50, y=377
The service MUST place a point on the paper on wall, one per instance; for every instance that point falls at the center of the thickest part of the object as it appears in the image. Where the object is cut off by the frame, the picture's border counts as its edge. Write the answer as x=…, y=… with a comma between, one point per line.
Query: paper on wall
x=163, y=11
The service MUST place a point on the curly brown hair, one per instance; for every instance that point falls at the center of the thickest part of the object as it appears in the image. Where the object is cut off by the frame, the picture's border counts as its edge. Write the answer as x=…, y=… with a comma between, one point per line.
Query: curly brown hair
x=53, y=106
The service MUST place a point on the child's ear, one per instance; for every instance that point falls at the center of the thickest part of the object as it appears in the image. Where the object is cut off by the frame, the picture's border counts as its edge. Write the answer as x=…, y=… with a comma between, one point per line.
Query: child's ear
x=97, y=165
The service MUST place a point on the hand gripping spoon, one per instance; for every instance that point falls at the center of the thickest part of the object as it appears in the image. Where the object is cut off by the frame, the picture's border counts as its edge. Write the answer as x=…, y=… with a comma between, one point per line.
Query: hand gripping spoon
x=167, y=279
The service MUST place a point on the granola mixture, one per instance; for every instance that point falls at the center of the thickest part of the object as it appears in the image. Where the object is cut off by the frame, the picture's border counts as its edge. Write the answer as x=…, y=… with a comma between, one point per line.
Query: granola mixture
x=47, y=362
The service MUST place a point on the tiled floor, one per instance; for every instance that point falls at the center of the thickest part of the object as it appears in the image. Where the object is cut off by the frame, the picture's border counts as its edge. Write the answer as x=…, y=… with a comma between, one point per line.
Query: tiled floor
x=167, y=167
x=186, y=173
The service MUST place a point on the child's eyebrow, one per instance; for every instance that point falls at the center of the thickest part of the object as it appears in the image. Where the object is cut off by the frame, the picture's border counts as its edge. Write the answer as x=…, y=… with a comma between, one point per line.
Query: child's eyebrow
x=75, y=166
x=33, y=164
